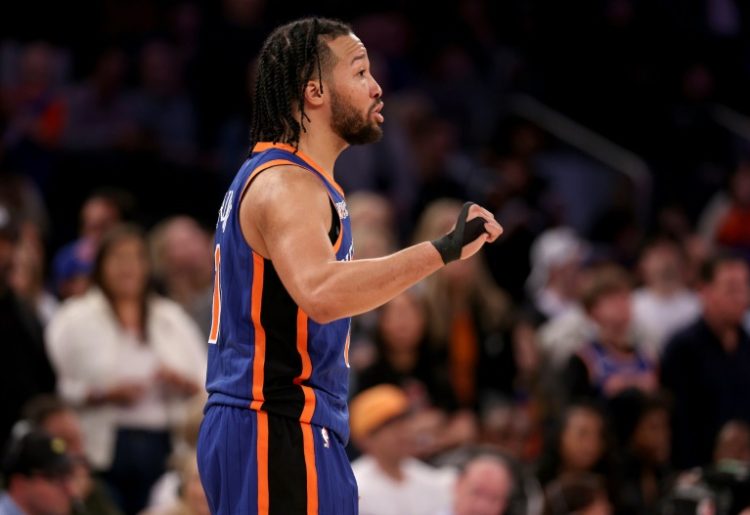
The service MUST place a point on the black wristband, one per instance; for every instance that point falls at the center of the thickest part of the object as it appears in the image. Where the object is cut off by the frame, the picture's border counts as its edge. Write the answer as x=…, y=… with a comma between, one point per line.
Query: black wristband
x=450, y=245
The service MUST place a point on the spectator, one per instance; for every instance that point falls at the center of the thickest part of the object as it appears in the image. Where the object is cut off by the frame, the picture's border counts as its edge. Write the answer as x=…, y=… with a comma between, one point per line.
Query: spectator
x=38, y=474
x=580, y=443
x=25, y=370
x=128, y=360
x=611, y=362
x=51, y=414
x=466, y=310
x=642, y=421
x=556, y=259
x=733, y=443
x=71, y=268
x=484, y=487
x=390, y=481
x=706, y=366
x=663, y=304
x=183, y=265
x=406, y=359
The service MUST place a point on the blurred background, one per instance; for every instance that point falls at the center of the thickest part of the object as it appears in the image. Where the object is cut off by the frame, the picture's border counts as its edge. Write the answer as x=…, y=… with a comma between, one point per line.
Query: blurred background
x=597, y=353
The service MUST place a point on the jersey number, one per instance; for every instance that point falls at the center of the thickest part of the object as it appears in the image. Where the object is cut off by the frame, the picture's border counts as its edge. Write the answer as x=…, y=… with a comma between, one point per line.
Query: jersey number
x=216, y=304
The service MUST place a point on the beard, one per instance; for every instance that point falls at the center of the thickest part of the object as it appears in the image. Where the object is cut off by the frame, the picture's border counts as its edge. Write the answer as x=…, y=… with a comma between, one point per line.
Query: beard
x=350, y=125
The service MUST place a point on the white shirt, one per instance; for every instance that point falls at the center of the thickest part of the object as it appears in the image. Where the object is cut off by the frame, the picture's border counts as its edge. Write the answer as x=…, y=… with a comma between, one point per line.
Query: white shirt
x=423, y=491
x=656, y=318
x=91, y=351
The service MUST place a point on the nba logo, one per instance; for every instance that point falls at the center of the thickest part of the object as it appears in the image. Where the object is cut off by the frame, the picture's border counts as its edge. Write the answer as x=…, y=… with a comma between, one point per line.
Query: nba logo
x=324, y=434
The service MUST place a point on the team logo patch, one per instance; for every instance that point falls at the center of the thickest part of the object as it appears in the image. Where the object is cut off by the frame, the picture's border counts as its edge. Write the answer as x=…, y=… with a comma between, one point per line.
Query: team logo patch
x=341, y=209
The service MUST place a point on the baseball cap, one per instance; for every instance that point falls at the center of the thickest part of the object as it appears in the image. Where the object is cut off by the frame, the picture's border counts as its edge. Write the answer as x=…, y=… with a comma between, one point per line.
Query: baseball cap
x=36, y=452
x=375, y=407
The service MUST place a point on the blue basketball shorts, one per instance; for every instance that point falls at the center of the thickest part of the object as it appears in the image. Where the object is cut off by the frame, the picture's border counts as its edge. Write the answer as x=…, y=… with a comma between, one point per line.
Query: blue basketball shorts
x=257, y=463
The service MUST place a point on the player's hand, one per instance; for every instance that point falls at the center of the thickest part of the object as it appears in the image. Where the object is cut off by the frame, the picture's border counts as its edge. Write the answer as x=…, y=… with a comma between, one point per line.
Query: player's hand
x=492, y=230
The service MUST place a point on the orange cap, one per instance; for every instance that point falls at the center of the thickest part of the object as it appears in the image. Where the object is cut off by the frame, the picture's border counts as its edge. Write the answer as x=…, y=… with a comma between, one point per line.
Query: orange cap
x=374, y=407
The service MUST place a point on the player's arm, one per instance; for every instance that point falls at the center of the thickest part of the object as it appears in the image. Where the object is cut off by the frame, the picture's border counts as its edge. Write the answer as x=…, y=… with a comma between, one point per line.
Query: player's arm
x=291, y=212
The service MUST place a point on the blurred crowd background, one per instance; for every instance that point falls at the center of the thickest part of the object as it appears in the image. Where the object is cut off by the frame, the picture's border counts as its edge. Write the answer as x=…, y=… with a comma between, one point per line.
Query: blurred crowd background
x=595, y=360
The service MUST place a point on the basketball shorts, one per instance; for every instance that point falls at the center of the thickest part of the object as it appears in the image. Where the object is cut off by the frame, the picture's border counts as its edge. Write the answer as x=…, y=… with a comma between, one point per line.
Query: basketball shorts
x=256, y=463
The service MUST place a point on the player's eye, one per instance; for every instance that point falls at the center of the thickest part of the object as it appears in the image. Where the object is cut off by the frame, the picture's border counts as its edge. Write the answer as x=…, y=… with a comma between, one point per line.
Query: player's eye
x=361, y=73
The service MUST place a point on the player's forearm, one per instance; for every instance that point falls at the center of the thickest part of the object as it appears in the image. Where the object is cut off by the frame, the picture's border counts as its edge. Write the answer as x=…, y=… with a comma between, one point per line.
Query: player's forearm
x=347, y=288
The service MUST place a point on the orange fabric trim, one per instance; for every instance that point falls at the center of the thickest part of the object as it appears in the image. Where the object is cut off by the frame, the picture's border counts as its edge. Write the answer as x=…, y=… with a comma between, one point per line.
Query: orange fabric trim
x=311, y=472
x=309, y=408
x=216, y=305
x=265, y=145
x=259, y=359
x=262, y=450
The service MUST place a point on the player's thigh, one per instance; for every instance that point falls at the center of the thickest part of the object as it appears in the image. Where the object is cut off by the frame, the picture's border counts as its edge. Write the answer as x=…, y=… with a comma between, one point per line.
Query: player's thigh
x=337, y=487
x=227, y=460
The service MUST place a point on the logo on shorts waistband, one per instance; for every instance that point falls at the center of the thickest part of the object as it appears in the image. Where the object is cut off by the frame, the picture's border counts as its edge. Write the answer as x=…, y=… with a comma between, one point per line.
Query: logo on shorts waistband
x=326, y=440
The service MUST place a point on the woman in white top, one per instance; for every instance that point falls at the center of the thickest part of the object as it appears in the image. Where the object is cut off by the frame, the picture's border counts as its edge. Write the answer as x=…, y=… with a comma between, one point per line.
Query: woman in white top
x=129, y=360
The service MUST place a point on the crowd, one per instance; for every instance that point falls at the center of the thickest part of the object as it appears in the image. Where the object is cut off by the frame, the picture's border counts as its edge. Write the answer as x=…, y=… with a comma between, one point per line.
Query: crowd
x=595, y=360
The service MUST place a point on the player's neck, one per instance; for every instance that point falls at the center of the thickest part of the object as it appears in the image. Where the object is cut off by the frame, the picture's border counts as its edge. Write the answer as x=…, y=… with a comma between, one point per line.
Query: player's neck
x=323, y=147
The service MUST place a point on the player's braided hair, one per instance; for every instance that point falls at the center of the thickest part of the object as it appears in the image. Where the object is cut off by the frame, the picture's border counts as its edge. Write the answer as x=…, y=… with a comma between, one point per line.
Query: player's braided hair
x=291, y=56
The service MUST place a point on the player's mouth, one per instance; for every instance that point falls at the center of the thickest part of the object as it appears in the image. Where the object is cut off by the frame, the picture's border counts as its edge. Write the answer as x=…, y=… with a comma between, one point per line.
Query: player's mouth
x=376, y=112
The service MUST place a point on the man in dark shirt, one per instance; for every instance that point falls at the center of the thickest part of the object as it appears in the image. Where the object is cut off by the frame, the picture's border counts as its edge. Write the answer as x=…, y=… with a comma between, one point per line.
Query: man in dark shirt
x=706, y=366
x=24, y=368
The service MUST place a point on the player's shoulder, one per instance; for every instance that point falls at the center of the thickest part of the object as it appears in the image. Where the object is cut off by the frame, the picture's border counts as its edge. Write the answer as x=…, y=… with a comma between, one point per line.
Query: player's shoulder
x=284, y=183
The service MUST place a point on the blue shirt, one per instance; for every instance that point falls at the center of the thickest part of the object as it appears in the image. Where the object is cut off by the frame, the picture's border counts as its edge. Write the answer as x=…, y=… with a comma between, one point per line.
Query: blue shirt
x=8, y=506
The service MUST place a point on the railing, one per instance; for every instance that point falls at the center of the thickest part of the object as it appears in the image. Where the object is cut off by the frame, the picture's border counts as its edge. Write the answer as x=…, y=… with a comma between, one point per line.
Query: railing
x=594, y=145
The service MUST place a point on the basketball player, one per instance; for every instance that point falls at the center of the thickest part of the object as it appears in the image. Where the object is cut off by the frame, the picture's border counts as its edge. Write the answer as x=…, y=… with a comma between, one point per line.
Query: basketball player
x=272, y=441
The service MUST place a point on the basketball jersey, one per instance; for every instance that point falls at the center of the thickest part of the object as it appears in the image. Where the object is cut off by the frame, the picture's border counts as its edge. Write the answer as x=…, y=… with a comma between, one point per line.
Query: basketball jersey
x=265, y=353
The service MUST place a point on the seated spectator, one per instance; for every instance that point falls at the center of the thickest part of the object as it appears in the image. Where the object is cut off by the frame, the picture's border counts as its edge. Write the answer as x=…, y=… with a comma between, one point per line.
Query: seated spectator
x=406, y=358
x=484, y=487
x=390, y=481
x=642, y=421
x=706, y=366
x=581, y=494
x=128, y=360
x=38, y=475
x=51, y=414
x=726, y=481
x=663, y=304
x=580, y=443
x=611, y=362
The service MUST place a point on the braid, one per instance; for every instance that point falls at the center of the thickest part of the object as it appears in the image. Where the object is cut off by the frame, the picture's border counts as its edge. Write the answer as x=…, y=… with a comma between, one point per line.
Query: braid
x=290, y=57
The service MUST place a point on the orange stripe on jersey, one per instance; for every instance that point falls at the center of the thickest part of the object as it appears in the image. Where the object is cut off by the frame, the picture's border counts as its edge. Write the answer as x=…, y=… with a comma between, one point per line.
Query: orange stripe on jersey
x=309, y=408
x=259, y=359
x=260, y=147
x=216, y=305
x=262, y=450
x=311, y=473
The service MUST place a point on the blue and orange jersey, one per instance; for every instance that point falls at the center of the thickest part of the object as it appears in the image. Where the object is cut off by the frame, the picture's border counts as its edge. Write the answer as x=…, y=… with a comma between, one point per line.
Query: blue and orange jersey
x=265, y=353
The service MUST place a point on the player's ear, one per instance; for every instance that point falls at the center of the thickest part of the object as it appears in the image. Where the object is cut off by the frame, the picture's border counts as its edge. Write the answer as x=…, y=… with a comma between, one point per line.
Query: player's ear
x=314, y=93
